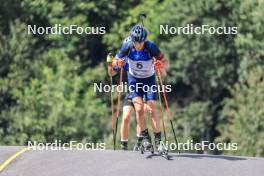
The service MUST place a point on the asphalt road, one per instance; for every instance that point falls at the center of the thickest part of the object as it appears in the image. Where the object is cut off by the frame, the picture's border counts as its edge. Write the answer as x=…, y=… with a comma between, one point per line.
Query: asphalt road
x=115, y=163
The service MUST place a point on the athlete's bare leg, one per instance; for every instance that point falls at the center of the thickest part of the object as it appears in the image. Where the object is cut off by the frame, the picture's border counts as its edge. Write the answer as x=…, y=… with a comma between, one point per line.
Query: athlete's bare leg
x=139, y=108
x=154, y=117
x=127, y=112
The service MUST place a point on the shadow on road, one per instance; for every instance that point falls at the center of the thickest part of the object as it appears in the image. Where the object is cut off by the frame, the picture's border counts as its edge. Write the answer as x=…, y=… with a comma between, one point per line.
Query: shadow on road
x=200, y=156
x=156, y=155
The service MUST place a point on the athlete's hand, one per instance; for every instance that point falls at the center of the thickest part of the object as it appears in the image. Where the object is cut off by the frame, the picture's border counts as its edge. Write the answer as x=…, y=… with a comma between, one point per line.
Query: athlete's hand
x=158, y=65
x=118, y=63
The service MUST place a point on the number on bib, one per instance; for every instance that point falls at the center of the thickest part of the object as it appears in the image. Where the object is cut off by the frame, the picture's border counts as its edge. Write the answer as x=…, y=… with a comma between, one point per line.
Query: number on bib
x=139, y=65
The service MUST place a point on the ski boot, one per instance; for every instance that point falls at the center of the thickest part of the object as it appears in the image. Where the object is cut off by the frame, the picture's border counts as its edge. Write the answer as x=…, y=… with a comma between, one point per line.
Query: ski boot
x=138, y=143
x=146, y=143
x=124, y=145
x=160, y=146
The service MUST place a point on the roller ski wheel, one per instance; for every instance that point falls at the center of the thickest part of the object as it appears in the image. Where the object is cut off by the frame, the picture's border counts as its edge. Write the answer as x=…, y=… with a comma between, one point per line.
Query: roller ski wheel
x=165, y=155
x=136, y=148
x=146, y=146
x=163, y=152
x=141, y=149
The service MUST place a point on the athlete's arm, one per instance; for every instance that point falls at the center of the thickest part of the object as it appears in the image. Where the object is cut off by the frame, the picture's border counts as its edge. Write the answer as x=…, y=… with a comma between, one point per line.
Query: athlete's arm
x=157, y=54
x=165, y=65
x=123, y=52
x=164, y=61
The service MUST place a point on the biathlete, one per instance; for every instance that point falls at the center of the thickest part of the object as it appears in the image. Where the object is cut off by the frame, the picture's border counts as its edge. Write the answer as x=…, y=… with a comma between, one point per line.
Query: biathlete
x=128, y=109
x=141, y=74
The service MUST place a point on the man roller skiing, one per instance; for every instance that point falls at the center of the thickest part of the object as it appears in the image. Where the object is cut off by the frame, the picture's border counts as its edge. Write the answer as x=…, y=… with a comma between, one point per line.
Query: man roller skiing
x=141, y=73
x=128, y=109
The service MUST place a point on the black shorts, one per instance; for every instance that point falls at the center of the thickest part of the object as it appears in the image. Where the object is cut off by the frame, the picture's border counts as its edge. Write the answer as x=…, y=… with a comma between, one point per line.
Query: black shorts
x=127, y=101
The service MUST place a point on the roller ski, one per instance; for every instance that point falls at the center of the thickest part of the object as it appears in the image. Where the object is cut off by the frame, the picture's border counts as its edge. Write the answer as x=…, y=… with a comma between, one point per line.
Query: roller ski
x=162, y=150
x=146, y=145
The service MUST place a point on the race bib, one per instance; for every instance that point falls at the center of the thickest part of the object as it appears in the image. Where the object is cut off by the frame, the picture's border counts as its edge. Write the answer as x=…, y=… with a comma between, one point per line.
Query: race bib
x=141, y=69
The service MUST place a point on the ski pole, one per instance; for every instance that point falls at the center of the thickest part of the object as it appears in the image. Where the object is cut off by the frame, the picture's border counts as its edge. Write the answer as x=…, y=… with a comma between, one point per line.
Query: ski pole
x=113, y=108
x=118, y=106
x=168, y=110
x=109, y=61
x=161, y=112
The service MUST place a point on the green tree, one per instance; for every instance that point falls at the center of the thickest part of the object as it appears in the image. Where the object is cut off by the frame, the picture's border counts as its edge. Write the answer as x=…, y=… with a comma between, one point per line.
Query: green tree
x=44, y=96
x=242, y=119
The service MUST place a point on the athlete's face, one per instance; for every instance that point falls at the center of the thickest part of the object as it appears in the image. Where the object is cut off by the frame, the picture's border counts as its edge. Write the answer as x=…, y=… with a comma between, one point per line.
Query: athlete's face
x=138, y=45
